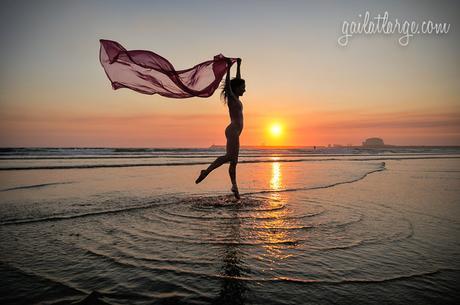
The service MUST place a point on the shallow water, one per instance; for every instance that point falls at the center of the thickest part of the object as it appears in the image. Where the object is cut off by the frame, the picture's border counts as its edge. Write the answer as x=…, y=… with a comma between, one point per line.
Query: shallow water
x=336, y=231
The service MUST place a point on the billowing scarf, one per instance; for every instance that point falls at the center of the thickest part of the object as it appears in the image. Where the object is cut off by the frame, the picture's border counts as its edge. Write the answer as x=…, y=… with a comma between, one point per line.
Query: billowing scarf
x=149, y=73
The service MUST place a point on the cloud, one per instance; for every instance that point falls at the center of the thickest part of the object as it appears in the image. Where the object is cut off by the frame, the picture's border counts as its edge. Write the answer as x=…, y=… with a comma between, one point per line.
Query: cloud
x=397, y=120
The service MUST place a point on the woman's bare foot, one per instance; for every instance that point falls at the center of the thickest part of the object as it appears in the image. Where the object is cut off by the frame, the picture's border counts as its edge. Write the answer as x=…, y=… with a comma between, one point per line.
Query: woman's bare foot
x=203, y=175
x=236, y=192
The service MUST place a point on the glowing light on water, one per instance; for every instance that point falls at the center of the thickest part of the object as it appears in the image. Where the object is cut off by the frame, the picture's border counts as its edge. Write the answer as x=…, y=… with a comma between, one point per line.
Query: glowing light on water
x=275, y=181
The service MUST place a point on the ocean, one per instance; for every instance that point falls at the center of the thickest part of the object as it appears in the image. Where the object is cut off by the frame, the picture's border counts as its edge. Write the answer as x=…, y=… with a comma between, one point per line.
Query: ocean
x=344, y=225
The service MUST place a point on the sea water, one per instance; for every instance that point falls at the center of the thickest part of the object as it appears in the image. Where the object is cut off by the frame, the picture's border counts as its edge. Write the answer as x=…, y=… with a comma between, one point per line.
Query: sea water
x=326, y=226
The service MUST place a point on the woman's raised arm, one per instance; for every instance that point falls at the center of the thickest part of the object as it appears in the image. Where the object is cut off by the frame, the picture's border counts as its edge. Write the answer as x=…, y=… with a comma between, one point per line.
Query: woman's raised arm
x=228, y=87
x=238, y=65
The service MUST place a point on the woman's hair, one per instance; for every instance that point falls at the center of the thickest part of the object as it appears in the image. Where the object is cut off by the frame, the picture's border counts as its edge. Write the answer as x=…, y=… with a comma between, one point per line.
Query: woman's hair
x=234, y=83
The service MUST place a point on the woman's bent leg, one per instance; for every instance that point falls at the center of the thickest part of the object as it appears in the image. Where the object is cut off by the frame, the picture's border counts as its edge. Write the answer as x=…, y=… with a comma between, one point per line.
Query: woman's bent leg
x=218, y=162
x=233, y=147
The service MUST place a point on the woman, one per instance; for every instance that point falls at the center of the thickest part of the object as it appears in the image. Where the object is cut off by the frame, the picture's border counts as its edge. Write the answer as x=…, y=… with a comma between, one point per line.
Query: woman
x=231, y=92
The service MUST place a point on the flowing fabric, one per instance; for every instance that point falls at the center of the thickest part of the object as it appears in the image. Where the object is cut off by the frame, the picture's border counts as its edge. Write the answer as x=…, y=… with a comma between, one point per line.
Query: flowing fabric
x=149, y=73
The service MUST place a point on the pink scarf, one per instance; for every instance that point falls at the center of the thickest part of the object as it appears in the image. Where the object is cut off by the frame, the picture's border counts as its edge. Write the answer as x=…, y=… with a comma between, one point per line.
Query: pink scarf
x=149, y=73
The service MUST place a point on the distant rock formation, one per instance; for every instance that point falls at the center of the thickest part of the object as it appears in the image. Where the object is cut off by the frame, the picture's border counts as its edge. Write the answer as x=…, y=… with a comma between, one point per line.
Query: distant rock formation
x=373, y=142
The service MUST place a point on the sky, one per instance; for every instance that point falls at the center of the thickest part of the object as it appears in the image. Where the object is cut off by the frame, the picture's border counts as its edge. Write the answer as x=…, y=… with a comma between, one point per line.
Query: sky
x=54, y=92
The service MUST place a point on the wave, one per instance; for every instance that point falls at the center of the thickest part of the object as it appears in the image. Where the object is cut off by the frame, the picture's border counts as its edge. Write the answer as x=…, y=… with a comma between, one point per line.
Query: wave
x=362, y=281
x=341, y=225
x=34, y=186
x=86, y=166
x=91, y=150
x=328, y=282
x=118, y=157
x=167, y=238
x=161, y=202
x=170, y=268
x=94, y=298
x=124, y=262
x=40, y=277
x=66, y=217
x=206, y=155
x=299, y=149
x=242, y=217
x=381, y=168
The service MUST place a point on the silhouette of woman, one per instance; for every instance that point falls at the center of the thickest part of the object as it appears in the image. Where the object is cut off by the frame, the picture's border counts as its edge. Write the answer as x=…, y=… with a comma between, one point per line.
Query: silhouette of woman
x=231, y=92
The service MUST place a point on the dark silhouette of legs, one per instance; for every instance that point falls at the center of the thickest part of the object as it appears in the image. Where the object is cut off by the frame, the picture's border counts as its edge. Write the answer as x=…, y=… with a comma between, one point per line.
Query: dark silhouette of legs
x=233, y=147
x=218, y=162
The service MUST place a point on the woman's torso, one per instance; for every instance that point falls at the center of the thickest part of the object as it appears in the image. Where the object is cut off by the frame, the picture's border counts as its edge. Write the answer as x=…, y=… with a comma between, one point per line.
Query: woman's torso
x=235, y=108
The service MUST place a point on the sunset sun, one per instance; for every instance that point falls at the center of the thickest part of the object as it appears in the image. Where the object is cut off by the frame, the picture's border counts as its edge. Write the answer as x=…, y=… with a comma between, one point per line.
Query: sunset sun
x=276, y=130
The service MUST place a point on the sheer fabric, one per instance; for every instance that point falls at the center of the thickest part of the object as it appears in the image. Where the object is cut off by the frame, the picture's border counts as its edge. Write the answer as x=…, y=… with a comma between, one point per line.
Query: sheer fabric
x=149, y=73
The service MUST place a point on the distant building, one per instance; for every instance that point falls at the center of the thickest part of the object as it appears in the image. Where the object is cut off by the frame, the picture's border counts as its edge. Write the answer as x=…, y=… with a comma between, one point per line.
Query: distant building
x=373, y=142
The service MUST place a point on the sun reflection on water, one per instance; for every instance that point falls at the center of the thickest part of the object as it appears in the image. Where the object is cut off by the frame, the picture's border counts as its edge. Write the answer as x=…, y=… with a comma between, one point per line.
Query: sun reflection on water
x=275, y=181
x=274, y=229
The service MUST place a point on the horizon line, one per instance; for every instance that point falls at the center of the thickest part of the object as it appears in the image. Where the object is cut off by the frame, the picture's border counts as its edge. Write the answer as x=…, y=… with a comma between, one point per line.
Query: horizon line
x=223, y=146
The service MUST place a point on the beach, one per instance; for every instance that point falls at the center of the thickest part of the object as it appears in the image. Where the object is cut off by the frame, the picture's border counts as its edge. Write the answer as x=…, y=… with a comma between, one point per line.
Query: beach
x=343, y=226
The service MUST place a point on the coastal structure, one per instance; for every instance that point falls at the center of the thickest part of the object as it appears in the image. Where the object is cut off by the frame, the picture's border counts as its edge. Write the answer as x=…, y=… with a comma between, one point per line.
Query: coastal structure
x=373, y=142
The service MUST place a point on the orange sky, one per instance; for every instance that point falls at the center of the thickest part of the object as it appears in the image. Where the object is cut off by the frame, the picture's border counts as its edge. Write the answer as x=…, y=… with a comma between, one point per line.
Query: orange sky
x=54, y=91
